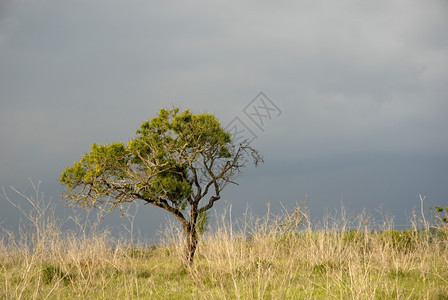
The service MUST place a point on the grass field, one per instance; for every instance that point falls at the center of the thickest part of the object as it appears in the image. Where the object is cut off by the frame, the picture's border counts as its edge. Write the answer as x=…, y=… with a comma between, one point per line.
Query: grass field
x=274, y=257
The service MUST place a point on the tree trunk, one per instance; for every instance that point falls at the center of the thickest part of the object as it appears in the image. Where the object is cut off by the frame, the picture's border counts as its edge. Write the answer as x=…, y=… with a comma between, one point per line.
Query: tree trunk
x=191, y=243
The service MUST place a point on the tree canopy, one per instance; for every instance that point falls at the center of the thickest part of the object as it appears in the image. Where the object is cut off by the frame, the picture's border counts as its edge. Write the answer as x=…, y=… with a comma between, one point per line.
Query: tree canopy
x=175, y=160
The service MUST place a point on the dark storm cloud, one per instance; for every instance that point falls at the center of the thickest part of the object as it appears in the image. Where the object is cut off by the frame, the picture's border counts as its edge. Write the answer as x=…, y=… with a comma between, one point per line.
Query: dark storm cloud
x=359, y=83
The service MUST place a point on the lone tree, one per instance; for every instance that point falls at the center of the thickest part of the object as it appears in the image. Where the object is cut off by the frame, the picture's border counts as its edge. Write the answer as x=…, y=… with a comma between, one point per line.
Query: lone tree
x=176, y=160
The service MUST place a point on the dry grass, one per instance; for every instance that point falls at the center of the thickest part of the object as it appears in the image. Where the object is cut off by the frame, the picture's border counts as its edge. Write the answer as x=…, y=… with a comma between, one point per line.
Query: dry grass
x=275, y=257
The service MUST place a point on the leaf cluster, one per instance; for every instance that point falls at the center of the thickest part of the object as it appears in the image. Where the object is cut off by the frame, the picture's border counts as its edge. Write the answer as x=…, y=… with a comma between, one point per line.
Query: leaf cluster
x=175, y=160
x=442, y=214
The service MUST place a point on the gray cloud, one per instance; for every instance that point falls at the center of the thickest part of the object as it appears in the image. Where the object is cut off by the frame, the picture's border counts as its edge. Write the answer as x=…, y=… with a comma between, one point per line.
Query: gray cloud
x=360, y=84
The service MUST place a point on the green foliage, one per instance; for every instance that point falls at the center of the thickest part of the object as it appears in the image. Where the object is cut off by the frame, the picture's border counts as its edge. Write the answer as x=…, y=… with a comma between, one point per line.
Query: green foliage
x=441, y=216
x=142, y=252
x=326, y=267
x=52, y=272
x=320, y=269
x=353, y=237
x=440, y=213
x=184, y=132
x=101, y=161
x=397, y=274
x=399, y=240
x=157, y=164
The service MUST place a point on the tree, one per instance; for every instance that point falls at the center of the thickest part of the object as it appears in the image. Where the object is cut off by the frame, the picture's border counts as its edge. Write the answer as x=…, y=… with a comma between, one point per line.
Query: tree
x=176, y=160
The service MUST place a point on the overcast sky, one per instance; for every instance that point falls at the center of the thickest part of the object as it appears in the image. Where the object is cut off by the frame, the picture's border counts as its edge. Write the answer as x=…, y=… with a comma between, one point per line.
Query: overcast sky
x=360, y=90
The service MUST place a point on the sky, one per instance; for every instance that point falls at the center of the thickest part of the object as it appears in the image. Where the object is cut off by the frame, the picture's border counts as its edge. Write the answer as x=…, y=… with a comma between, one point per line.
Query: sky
x=353, y=103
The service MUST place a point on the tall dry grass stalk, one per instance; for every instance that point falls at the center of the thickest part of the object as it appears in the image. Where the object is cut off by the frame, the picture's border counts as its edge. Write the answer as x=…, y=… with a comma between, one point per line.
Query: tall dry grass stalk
x=280, y=256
